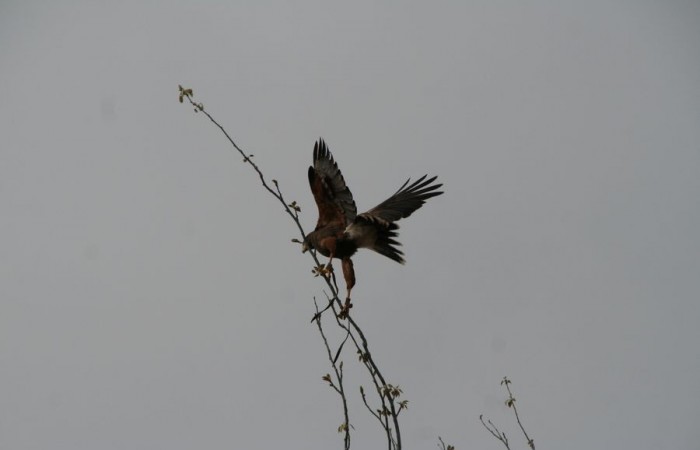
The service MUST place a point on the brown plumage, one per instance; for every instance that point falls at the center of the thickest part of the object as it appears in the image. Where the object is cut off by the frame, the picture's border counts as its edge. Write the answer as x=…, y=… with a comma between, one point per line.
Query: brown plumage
x=340, y=231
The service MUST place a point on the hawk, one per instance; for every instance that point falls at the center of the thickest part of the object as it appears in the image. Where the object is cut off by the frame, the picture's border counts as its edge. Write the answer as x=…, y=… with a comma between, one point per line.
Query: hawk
x=340, y=231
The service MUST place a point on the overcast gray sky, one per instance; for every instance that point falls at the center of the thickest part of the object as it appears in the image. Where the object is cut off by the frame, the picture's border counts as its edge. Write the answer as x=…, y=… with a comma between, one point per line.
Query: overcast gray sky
x=150, y=297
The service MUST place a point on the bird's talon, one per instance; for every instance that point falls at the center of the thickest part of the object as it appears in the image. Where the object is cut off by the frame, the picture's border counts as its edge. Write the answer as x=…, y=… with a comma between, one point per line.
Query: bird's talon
x=345, y=310
x=322, y=270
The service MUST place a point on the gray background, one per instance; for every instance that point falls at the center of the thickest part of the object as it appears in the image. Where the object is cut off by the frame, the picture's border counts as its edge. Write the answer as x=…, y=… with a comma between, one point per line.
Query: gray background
x=150, y=297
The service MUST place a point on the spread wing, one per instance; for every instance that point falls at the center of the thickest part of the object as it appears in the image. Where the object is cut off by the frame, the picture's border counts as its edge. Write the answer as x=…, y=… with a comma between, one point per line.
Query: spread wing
x=333, y=198
x=404, y=201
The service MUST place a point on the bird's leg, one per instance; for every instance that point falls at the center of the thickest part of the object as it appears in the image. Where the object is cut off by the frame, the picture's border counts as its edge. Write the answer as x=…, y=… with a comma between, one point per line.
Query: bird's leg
x=349, y=274
x=329, y=243
x=328, y=269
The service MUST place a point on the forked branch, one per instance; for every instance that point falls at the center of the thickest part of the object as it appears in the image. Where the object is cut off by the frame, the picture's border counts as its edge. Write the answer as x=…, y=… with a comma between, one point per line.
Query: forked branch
x=510, y=403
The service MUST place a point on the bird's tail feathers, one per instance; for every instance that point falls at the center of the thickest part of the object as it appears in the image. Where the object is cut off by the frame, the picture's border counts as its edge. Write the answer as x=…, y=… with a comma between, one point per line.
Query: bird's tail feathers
x=386, y=243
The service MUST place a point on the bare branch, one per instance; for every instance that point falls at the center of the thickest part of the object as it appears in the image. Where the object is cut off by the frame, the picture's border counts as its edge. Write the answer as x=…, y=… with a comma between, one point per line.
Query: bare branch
x=510, y=403
x=338, y=369
x=495, y=431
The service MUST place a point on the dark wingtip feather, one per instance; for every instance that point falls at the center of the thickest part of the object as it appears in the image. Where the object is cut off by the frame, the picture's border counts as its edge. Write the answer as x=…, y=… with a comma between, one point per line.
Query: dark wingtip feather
x=321, y=151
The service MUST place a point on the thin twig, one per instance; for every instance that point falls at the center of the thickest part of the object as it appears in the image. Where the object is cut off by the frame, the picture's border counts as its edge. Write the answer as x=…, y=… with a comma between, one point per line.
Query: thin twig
x=501, y=436
x=511, y=403
x=495, y=431
x=442, y=445
x=247, y=158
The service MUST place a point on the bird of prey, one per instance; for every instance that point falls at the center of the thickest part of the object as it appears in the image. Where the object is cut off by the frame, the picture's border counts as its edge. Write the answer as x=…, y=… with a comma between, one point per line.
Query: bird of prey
x=340, y=231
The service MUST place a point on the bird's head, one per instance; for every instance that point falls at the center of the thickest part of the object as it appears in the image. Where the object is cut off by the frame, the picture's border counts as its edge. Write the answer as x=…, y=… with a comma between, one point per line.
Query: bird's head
x=306, y=245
